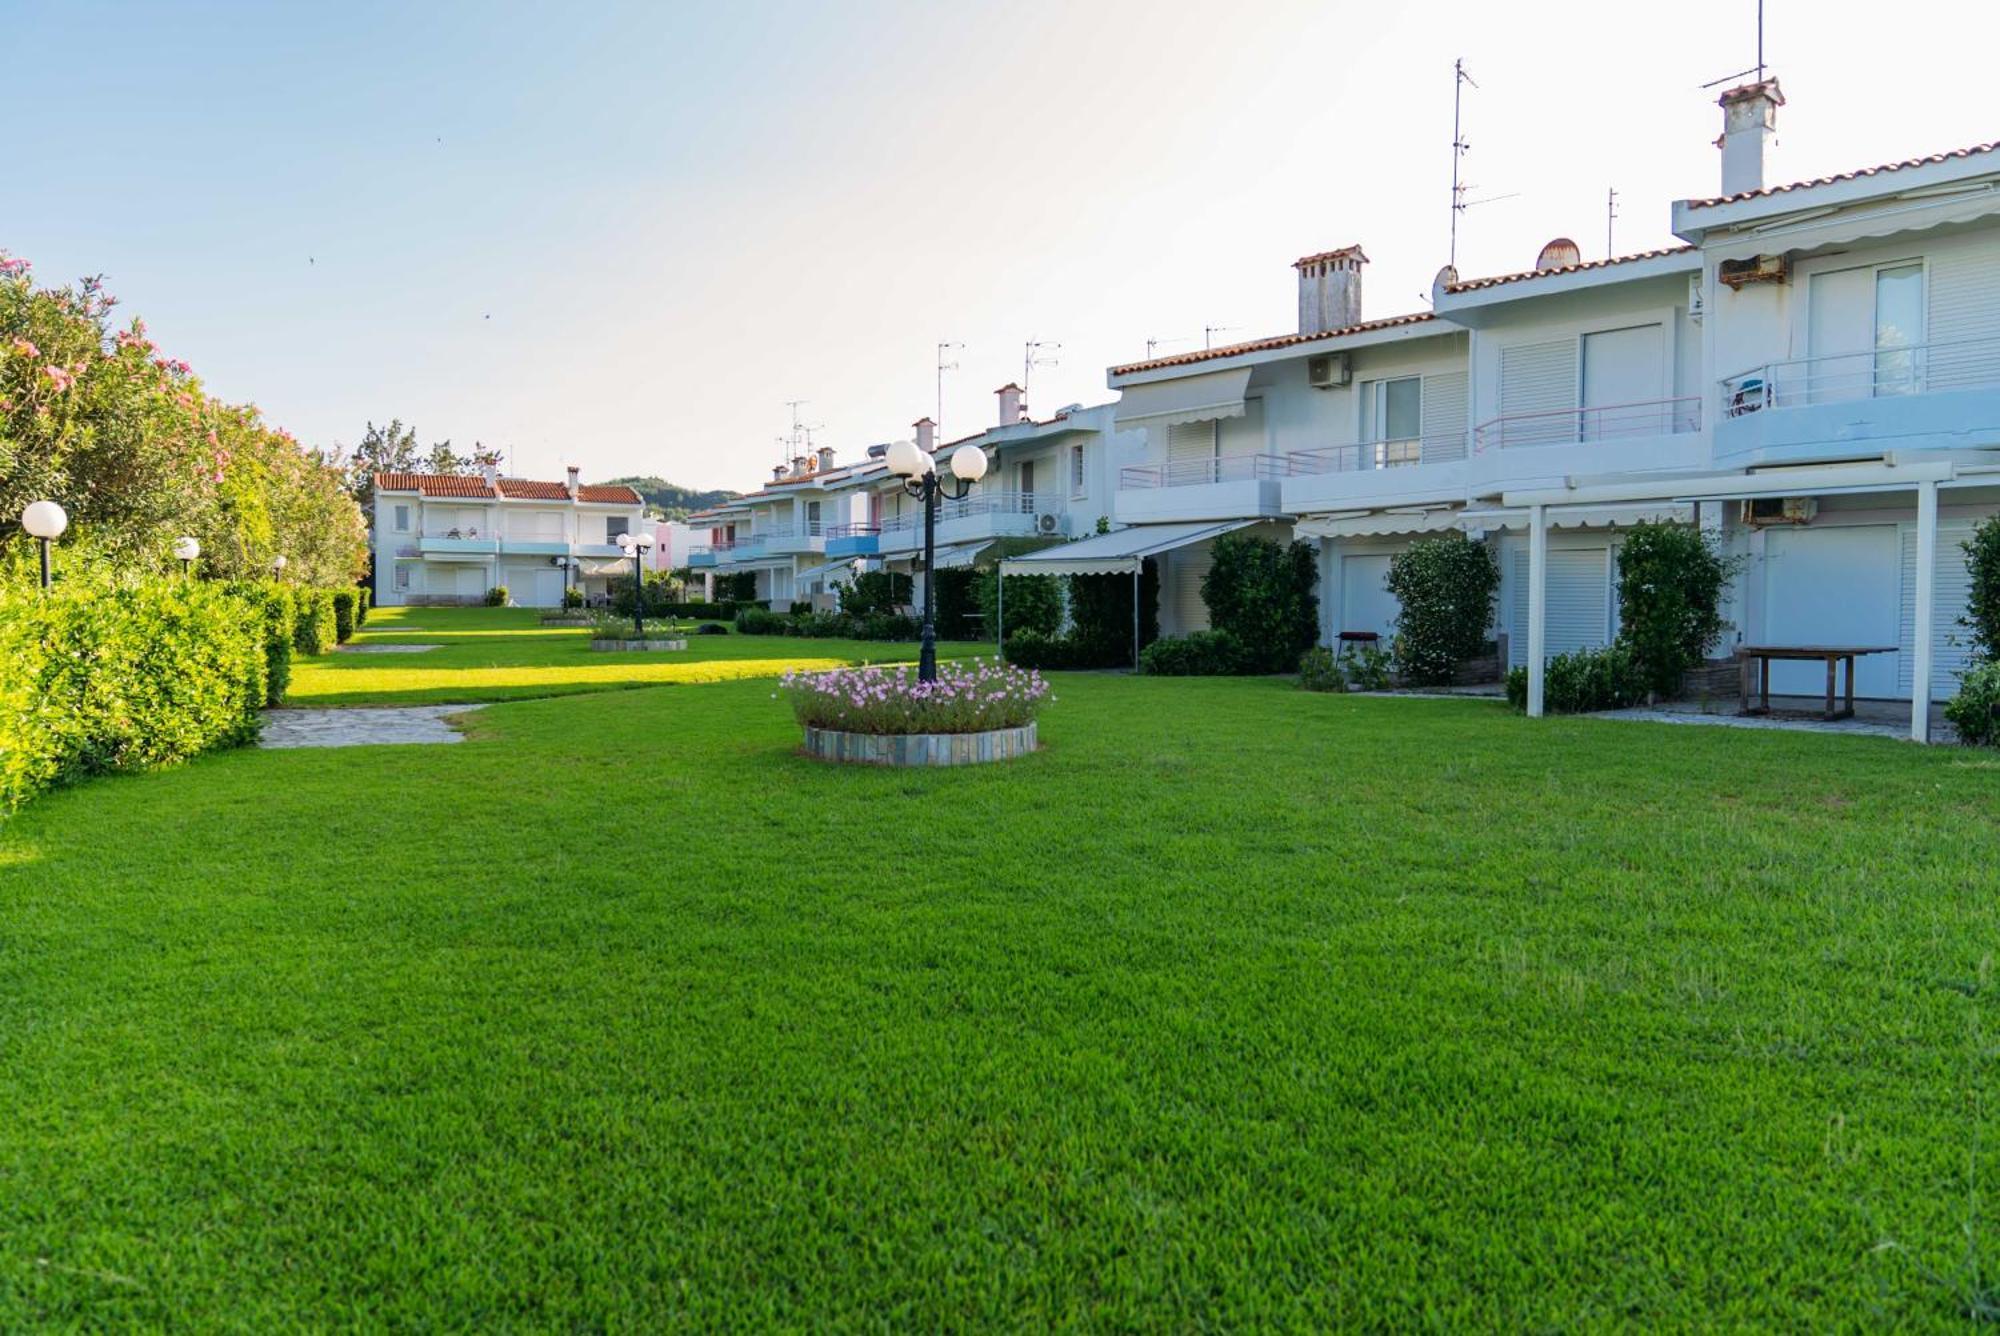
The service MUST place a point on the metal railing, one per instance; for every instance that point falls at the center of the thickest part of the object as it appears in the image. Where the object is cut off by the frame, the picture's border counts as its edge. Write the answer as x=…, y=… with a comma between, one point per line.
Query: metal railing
x=1917, y=368
x=993, y=502
x=1438, y=448
x=1197, y=472
x=1582, y=426
x=462, y=532
x=853, y=530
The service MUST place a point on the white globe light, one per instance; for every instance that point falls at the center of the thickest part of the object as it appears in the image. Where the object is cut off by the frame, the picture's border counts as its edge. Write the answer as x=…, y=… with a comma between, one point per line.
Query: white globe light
x=278, y=562
x=187, y=549
x=968, y=462
x=904, y=459
x=45, y=519
x=928, y=463
x=642, y=541
x=625, y=541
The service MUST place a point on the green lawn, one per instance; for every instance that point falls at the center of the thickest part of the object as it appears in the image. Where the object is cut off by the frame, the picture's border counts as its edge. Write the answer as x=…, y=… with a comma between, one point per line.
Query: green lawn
x=1234, y=1007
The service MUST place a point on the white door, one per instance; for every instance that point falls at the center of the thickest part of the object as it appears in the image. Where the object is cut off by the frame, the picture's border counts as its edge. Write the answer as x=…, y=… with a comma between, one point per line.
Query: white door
x=470, y=581
x=1833, y=586
x=1365, y=601
x=1623, y=368
x=534, y=586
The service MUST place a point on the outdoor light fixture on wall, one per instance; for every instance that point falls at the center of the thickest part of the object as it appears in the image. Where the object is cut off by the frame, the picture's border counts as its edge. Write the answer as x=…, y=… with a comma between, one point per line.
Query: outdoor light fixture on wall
x=920, y=479
x=45, y=522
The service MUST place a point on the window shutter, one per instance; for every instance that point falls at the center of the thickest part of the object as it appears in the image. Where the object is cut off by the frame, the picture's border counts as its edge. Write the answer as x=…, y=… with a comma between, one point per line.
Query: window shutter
x=1951, y=649
x=1189, y=441
x=1444, y=416
x=1539, y=378
x=1964, y=305
x=1579, y=603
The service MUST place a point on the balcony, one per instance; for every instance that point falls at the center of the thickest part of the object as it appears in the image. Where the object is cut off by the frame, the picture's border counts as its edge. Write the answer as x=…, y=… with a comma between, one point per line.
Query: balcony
x=854, y=540
x=539, y=547
x=791, y=540
x=1225, y=487
x=1517, y=449
x=1921, y=396
x=467, y=542
x=1001, y=514
x=1378, y=472
x=702, y=556
x=599, y=550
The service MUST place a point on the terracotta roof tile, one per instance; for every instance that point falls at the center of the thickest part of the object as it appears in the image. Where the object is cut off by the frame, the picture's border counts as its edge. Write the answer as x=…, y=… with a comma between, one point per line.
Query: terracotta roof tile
x=588, y=492
x=1855, y=175
x=434, y=484
x=1474, y=284
x=1265, y=345
x=517, y=489
x=527, y=488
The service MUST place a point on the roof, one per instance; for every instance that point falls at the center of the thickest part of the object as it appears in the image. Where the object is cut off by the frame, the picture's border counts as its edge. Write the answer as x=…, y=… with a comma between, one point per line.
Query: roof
x=1475, y=284
x=1344, y=253
x=1266, y=345
x=475, y=486
x=1857, y=174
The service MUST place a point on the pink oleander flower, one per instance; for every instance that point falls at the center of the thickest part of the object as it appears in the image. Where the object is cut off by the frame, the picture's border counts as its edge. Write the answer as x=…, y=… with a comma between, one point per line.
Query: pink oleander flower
x=59, y=377
x=26, y=349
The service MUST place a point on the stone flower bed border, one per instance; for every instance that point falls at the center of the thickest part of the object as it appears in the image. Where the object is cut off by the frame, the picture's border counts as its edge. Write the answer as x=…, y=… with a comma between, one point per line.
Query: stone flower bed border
x=976, y=712
x=920, y=749
x=638, y=644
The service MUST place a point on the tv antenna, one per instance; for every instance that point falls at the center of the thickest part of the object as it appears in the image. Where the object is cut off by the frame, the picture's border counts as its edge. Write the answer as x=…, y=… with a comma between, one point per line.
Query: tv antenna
x=1610, y=220
x=1153, y=345
x=1459, y=79
x=1758, y=68
x=1034, y=358
x=1208, y=333
x=945, y=346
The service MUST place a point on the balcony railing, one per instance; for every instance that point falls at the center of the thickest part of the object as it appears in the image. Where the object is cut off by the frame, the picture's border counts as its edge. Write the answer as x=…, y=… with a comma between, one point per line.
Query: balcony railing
x=1918, y=368
x=1438, y=448
x=1582, y=426
x=852, y=530
x=996, y=502
x=1197, y=472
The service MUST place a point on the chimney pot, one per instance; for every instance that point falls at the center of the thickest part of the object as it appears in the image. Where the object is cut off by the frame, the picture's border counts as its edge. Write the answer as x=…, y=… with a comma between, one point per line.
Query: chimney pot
x=926, y=435
x=574, y=473
x=491, y=473
x=1749, y=123
x=825, y=458
x=1330, y=289
x=1010, y=403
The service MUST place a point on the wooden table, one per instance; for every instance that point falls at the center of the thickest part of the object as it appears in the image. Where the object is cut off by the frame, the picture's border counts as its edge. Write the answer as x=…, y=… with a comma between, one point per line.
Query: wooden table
x=1756, y=680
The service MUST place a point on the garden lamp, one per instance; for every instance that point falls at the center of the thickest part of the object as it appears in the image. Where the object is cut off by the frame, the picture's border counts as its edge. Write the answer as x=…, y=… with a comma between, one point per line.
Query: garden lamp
x=45, y=522
x=638, y=544
x=919, y=474
x=187, y=549
x=278, y=567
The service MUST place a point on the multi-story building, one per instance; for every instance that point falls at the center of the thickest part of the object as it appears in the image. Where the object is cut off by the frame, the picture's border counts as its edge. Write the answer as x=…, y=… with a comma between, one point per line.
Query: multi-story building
x=449, y=538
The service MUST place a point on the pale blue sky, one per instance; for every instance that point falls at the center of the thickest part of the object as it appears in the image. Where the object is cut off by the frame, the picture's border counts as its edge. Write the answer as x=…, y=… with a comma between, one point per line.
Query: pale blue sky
x=677, y=217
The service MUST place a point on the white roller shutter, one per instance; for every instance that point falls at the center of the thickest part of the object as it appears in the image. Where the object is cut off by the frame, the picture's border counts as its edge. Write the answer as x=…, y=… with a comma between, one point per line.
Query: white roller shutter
x=1579, y=602
x=1190, y=565
x=1444, y=416
x=1539, y=378
x=1188, y=442
x=1964, y=305
x=1950, y=642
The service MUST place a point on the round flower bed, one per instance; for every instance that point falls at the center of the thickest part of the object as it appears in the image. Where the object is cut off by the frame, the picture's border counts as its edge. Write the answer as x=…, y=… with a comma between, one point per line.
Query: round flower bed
x=975, y=712
x=638, y=644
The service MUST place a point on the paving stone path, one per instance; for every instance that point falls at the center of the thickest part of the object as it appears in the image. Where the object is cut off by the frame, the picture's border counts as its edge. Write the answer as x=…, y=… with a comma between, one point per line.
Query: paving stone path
x=362, y=727
x=385, y=649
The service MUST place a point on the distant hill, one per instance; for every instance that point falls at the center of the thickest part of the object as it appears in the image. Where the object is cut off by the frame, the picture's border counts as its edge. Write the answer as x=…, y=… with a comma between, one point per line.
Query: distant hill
x=673, y=502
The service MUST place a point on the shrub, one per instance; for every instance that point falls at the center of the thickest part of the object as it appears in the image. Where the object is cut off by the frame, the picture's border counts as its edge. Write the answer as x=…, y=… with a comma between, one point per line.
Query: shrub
x=966, y=698
x=737, y=586
x=1366, y=667
x=1032, y=603
x=1201, y=654
x=97, y=678
x=344, y=602
x=885, y=626
x=1445, y=587
x=711, y=629
x=313, y=629
x=1100, y=613
x=271, y=606
x=1320, y=671
x=364, y=600
x=761, y=622
x=1975, y=711
x=874, y=592
x=801, y=608
x=1670, y=583
x=496, y=597
x=1262, y=595
x=1982, y=595
x=1582, y=681
x=959, y=615
x=572, y=597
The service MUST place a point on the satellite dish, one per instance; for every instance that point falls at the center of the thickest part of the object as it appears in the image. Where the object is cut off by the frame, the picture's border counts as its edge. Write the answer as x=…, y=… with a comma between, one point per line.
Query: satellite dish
x=1558, y=254
x=1445, y=278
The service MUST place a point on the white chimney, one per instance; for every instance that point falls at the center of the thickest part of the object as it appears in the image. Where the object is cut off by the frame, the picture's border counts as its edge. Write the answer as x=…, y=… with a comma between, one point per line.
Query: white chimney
x=926, y=435
x=1010, y=403
x=825, y=458
x=1330, y=289
x=574, y=472
x=491, y=473
x=1749, y=123
x=798, y=466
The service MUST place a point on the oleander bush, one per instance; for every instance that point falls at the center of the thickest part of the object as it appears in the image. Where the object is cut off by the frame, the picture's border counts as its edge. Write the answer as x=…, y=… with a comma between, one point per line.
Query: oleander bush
x=1975, y=711
x=1584, y=680
x=1265, y=596
x=345, y=621
x=1671, y=579
x=1198, y=654
x=875, y=592
x=97, y=678
x=314, y=630
x=1444, y=587
x=968, y=697
x=496, y=597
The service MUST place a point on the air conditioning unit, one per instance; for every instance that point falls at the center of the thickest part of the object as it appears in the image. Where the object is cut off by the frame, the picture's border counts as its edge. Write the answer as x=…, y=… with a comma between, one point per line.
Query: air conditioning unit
x=1048, y=523
x=1738, y=274
x=1763, y=511
x=1329, y=371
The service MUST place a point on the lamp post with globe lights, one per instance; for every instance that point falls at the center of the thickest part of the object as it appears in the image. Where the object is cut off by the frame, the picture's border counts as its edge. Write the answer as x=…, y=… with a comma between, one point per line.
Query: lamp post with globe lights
x=45, y=522
x=187, y=549
x=637, y=545
x=920, y=479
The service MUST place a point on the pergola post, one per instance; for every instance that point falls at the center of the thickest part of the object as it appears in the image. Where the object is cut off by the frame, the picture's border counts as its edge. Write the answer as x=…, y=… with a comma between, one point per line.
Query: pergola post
x=1926, y=599
x=1538, y=604
x=1000, y=603
x=1138, y=565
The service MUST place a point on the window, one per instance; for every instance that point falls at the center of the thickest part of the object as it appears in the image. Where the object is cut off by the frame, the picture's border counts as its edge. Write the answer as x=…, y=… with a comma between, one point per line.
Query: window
x=812, y=517
x=402, y=519
x=403, y=569
x=615, y=525
x=1076, y=486
x=1624, y=376
x=1392, y=420
x=1027, y=488
x=1864, y=329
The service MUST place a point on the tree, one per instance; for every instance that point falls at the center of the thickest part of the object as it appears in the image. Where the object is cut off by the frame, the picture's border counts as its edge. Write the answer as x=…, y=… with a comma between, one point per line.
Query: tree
x=1264, y=595
x=390, y=449
x=1444, y=588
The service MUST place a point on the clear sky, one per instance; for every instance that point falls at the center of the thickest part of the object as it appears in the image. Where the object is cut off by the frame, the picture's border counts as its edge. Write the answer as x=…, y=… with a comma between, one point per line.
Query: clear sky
x=623, y=236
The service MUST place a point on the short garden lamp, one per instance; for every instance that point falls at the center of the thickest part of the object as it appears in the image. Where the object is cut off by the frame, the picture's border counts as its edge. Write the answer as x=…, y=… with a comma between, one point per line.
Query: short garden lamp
x=45, y=522
x=278, y=567
x=920, y=479
x=187, y=549
x=638, y=544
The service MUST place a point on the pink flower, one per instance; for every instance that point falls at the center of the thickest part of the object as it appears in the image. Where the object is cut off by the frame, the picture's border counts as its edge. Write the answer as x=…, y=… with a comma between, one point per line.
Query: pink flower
x=59, y=378
x=26, y=349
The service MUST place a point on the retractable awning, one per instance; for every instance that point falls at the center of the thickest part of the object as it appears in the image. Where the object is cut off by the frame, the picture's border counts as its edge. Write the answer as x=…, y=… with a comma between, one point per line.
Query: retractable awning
x=1391, y=523
x=960, y=554
x=1120, y=553
x=1212, y=394
x=814, y=572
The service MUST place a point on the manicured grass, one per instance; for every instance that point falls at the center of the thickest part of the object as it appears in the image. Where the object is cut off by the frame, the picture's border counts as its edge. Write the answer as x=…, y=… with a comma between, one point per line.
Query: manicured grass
x=1235, y=1007
x=506, y=654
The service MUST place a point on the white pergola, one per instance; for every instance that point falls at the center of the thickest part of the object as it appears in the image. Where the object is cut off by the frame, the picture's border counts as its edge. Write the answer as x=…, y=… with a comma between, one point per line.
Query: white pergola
x=1920, y=473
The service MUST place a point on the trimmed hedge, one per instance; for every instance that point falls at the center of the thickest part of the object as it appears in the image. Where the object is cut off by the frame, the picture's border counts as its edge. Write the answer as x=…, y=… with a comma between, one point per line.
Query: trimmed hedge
x=364, y=599
x=273, y=603
x=345, y=618
x=1444, y=588
x=1265, y=596
x=1200, y=654
x=314, y=629
x=759, y=621
x=1585, y=680
x=96, y=679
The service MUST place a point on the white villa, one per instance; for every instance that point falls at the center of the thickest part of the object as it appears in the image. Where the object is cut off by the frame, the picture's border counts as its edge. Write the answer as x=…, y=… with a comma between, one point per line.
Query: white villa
x=449, y=538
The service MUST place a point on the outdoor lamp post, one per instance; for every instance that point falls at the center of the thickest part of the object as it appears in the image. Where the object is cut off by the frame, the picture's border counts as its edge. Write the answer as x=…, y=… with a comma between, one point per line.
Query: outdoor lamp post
x=638, y=544
x=45, y=522
x=278, y=567
x=187, y=549
x=920, y=479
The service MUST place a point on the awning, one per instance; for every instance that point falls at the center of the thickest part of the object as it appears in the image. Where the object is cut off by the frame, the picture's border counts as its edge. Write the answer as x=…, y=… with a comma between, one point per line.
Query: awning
x=1120, y=553
x=1390, y=523
x=1212, y=394
x=960, y=554
x=615, y=566
x=1380, y=523
x=845, y=567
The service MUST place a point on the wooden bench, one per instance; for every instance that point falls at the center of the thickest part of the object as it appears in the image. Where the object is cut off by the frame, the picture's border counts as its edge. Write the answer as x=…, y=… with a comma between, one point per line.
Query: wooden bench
x=1756, y=677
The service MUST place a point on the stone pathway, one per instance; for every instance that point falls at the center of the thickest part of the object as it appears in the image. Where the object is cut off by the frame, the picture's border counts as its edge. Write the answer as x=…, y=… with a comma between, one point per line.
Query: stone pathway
x=385, y=649
x=372, y=727
x=1647, y=714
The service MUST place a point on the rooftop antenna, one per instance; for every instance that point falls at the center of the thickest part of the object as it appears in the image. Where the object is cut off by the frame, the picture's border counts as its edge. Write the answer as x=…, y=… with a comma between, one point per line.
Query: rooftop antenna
x=798, y=431
x=1459, y=79
x=1152, y=345
x=1610, y=220
x=1034, y=358
x=1758, y=68
x=944, y=347
x=1208, y=333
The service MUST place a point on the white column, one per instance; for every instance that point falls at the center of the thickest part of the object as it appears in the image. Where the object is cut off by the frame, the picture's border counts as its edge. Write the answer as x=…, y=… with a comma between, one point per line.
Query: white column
x=1926, y=600
x=1538, y=604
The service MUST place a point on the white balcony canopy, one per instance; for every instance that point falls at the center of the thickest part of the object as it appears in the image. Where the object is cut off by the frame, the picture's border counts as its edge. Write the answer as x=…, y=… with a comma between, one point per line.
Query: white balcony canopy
x=960, y=554
x=1384, y=523
x=1212, y=394
x=1120, y=553
x=846, y=564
